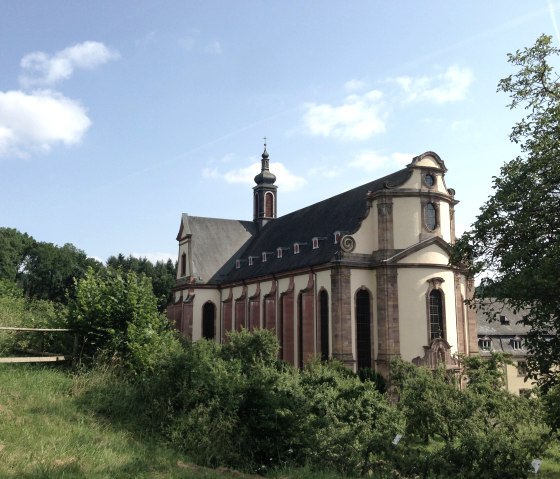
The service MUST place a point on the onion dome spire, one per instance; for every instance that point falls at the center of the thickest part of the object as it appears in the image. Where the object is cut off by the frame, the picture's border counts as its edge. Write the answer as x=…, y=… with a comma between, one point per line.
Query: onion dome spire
x=265, y=176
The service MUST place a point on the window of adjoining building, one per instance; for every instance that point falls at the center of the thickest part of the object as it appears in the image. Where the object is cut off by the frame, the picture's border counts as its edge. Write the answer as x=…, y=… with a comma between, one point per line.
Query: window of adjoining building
x=485, y=343
x=516, y=343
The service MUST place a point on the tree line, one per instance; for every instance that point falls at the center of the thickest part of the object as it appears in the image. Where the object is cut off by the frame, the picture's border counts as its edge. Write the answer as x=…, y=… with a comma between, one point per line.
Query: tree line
x=45, y=271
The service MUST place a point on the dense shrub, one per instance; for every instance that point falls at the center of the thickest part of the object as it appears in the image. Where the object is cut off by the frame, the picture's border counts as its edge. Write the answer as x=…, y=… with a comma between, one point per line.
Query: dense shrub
x=352, y=425
x=480, y=431
x=17, y=311
x=116, y=316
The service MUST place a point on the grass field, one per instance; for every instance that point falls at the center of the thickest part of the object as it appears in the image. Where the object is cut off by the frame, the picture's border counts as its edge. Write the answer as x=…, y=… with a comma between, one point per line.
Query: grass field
x=47, y=432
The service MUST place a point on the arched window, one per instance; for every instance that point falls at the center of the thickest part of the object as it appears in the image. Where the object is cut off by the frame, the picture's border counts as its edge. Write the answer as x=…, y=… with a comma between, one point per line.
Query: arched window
x=256, y=206
x=208, y=321
x=436, y=315
x=269, y=205
x=324, y=323
x=184, y=264
x=430, y=216
x=363, y=328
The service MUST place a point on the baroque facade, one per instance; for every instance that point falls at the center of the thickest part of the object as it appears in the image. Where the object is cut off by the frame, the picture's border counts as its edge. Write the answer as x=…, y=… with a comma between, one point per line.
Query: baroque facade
x=362, y=276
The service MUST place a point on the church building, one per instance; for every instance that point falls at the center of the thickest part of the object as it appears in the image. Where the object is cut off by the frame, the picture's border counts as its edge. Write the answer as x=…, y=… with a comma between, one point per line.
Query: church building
x=363, y=276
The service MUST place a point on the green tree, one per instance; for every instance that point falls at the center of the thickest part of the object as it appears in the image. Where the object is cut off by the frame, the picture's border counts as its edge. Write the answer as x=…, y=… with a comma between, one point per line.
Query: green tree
x=515, y=240
x=49, y=270
x=116, y=315
x=162, y=274
x=14, y=247
x=479, y=431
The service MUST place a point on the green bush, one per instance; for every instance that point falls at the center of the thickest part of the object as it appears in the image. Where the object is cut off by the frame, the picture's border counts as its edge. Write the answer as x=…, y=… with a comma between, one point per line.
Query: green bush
x=17, y=311
x=352, y=425
x=116, y=317
x=481, y=431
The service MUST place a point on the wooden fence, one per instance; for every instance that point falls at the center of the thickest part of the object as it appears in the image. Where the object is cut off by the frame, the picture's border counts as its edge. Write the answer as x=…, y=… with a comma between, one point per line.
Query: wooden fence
x=40, y=356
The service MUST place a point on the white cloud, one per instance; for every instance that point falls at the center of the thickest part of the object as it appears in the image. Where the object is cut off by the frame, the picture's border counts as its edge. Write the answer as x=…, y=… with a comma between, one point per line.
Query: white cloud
x=354, y=85
x=324, y=171
x=214, y=48
x=369, y=160
x=155, y=257
x=450, y=86
x=39, y=120
x=284, y=178
x=358, y=118
x=42, y=69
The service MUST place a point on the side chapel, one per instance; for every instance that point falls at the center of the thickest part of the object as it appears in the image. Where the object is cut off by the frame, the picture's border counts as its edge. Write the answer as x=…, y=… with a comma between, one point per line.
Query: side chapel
x=362, y=276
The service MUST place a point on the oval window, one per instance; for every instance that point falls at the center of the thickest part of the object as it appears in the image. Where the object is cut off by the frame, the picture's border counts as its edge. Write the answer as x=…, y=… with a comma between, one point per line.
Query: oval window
x=429, y=180
x=430, y=216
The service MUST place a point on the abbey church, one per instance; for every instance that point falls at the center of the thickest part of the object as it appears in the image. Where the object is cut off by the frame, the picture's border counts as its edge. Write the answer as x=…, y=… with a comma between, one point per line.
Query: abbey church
x=362, y=276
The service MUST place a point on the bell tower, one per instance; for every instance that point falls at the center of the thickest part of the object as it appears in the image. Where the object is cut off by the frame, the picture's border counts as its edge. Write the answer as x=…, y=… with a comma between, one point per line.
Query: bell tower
x=264, y=193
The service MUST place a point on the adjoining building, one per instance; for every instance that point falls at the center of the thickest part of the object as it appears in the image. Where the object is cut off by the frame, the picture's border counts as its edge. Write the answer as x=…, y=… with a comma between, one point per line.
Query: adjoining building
x=363, y=276
x=506, y=335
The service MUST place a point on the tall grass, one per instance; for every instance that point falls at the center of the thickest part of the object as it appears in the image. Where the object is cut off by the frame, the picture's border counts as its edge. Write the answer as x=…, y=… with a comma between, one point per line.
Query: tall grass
x=47, y=432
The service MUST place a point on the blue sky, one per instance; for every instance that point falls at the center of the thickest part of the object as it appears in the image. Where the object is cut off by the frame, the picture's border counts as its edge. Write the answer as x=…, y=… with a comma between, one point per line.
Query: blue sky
x=116, y=117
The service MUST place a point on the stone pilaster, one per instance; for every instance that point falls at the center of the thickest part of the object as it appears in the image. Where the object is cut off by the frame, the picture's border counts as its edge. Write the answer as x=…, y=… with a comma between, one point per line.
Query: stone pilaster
x=255, y=309
x=385, y=223
x=308, y=319
x=341, y=315
x=388, y=334
x=287, y=343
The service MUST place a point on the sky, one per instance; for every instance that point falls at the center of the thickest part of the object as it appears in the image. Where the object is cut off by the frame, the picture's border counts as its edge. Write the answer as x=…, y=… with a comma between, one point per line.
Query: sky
x=117, y=117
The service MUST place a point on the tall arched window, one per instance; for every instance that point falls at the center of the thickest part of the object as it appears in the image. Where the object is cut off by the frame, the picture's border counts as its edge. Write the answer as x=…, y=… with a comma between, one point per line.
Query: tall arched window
x=208, y=321
x=269, y=204
x=436, y=314
x=430, y=216
x=324, y=323
x=184, y=264
x=363, y=328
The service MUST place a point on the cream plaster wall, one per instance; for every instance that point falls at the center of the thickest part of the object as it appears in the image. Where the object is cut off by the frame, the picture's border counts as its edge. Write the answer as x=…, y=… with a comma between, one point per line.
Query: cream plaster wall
x=367, y=236
x=413, y=321
x=200, y=298
x=445, y=221
x=406, y=221
x=432, y=254
x=428, y=162
x=515, y=382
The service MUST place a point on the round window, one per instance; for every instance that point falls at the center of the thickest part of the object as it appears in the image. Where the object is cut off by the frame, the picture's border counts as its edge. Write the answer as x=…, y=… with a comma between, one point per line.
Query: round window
x=429, y=180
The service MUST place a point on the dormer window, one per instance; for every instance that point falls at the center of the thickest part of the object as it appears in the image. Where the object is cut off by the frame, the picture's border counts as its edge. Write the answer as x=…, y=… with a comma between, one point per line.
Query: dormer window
x=315, y=242
x=278, y=252
x=237, y=264
x=296, y=248
x=250, y=261
x=337, y=236
x=516, y=343
x=265, y=255
x=485, y=343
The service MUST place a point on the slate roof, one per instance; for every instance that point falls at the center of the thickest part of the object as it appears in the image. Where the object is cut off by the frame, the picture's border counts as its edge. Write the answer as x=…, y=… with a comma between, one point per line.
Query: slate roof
x=215, y=244
x=343, y=212
x=500, y=332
